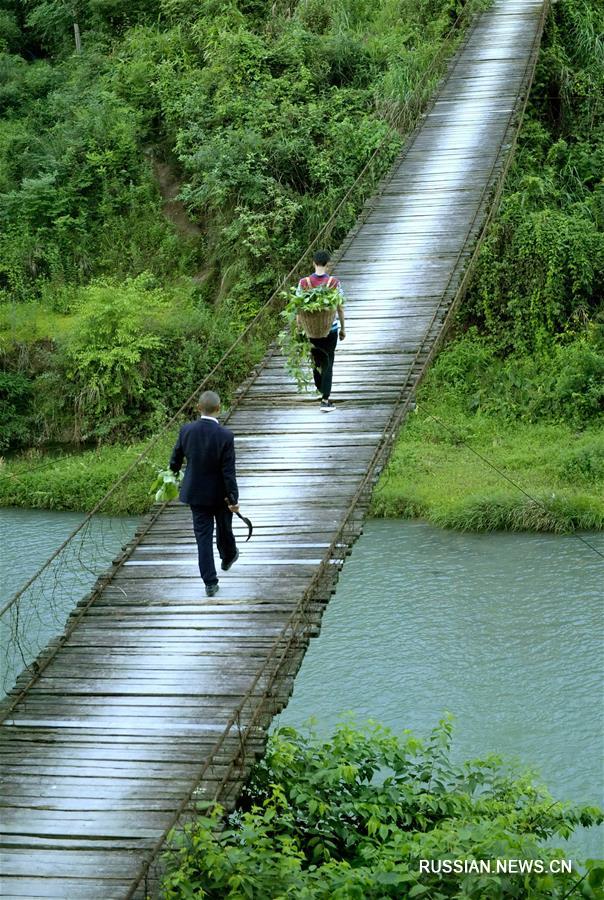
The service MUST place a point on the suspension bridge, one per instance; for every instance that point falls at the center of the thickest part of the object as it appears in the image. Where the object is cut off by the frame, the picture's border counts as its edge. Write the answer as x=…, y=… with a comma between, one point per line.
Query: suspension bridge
x=155, y=697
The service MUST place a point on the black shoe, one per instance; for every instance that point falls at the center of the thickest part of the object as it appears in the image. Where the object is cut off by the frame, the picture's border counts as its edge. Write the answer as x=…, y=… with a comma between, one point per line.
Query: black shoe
x=225, y=566
x=211, y=589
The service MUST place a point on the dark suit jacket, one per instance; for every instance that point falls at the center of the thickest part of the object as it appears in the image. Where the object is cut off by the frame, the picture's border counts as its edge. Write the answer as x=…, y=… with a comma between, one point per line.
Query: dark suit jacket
x=210, y=474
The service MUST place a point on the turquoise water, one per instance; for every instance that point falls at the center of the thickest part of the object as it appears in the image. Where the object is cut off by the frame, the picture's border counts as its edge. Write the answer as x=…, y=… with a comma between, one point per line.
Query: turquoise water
x=28, y=537
x=504, y=631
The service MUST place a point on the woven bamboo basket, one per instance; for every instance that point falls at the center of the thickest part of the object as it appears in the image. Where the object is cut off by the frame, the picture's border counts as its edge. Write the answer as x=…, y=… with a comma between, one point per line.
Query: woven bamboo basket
x=317, y=324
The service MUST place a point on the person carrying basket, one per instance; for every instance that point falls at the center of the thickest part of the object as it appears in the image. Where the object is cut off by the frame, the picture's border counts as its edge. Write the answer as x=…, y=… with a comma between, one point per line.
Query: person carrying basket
x=323, y=329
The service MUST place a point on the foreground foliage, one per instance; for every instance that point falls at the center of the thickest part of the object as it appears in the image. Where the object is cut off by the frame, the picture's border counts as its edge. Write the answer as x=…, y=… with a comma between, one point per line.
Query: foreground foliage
x=352, y=816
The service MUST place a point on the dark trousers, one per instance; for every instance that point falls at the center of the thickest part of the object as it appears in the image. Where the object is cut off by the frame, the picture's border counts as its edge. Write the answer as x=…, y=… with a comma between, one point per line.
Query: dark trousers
x=203, y=526
x=323, y=352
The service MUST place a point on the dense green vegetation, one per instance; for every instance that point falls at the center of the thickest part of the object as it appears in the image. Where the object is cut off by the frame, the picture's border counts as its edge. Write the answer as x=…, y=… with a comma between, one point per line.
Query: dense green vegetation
x=350, y=817
x=111, y=313
x=124, y=356
x=262, y=113
x=523, y=381
x=78, y=481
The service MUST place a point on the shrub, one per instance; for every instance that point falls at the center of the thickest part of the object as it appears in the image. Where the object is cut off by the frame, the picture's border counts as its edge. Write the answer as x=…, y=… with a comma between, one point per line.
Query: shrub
x=577, y=393
x=352, y=815
x=462, y=365
x=584, y=465
x=137, y=351
x=15, y=398
x=103, y=357
x=10, y=33
x=538, y=272
x=124, y=357
x=562, y=382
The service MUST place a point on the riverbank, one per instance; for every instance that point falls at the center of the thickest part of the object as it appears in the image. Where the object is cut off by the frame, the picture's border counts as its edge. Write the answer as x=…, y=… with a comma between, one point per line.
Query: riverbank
x=78, y=481
x=496, y=442
x=484, y=473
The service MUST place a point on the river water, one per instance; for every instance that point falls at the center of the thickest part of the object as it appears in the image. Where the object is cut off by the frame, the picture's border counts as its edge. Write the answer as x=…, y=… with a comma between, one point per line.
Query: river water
x=28, y=537
x=504, y=631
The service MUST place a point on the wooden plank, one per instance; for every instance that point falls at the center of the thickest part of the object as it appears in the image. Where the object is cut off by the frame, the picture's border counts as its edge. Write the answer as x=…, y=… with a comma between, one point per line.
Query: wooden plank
x=79, y=864
x=36, y=888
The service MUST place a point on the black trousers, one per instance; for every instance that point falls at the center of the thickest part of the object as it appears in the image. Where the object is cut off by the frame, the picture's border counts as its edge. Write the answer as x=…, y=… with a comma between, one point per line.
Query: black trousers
x=323, y=351
x=203, y=526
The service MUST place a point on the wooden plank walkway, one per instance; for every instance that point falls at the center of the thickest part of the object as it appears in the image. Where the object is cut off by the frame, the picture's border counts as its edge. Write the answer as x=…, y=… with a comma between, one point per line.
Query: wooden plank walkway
x=160, y=694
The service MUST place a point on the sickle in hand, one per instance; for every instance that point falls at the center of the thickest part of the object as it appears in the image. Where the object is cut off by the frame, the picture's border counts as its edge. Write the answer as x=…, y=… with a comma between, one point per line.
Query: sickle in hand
x=250, y=528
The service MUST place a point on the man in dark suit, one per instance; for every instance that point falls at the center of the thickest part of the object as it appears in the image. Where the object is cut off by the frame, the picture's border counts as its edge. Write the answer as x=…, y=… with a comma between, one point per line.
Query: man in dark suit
x=209, y=480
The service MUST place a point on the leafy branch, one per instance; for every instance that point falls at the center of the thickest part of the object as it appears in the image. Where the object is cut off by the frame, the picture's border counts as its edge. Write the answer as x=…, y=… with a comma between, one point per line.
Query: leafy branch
x=166, y=485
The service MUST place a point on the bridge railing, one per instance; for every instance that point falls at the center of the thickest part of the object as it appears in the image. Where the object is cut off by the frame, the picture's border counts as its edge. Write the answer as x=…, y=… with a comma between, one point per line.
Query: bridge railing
x=68, y=582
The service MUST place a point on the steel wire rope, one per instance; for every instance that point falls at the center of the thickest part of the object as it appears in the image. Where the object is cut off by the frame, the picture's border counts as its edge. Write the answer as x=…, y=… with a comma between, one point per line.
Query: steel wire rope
x=397, y=118
x=575, y=886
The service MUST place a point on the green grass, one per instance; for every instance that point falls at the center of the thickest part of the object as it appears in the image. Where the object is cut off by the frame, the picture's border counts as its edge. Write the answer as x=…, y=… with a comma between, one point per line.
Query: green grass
x=26, y=323
x=436, y=474
x=78, y=481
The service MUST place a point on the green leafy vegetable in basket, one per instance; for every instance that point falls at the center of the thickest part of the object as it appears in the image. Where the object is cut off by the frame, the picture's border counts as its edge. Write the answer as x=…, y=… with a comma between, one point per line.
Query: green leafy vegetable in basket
x=165, y=487
x=312, y=299
x=292, y=340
